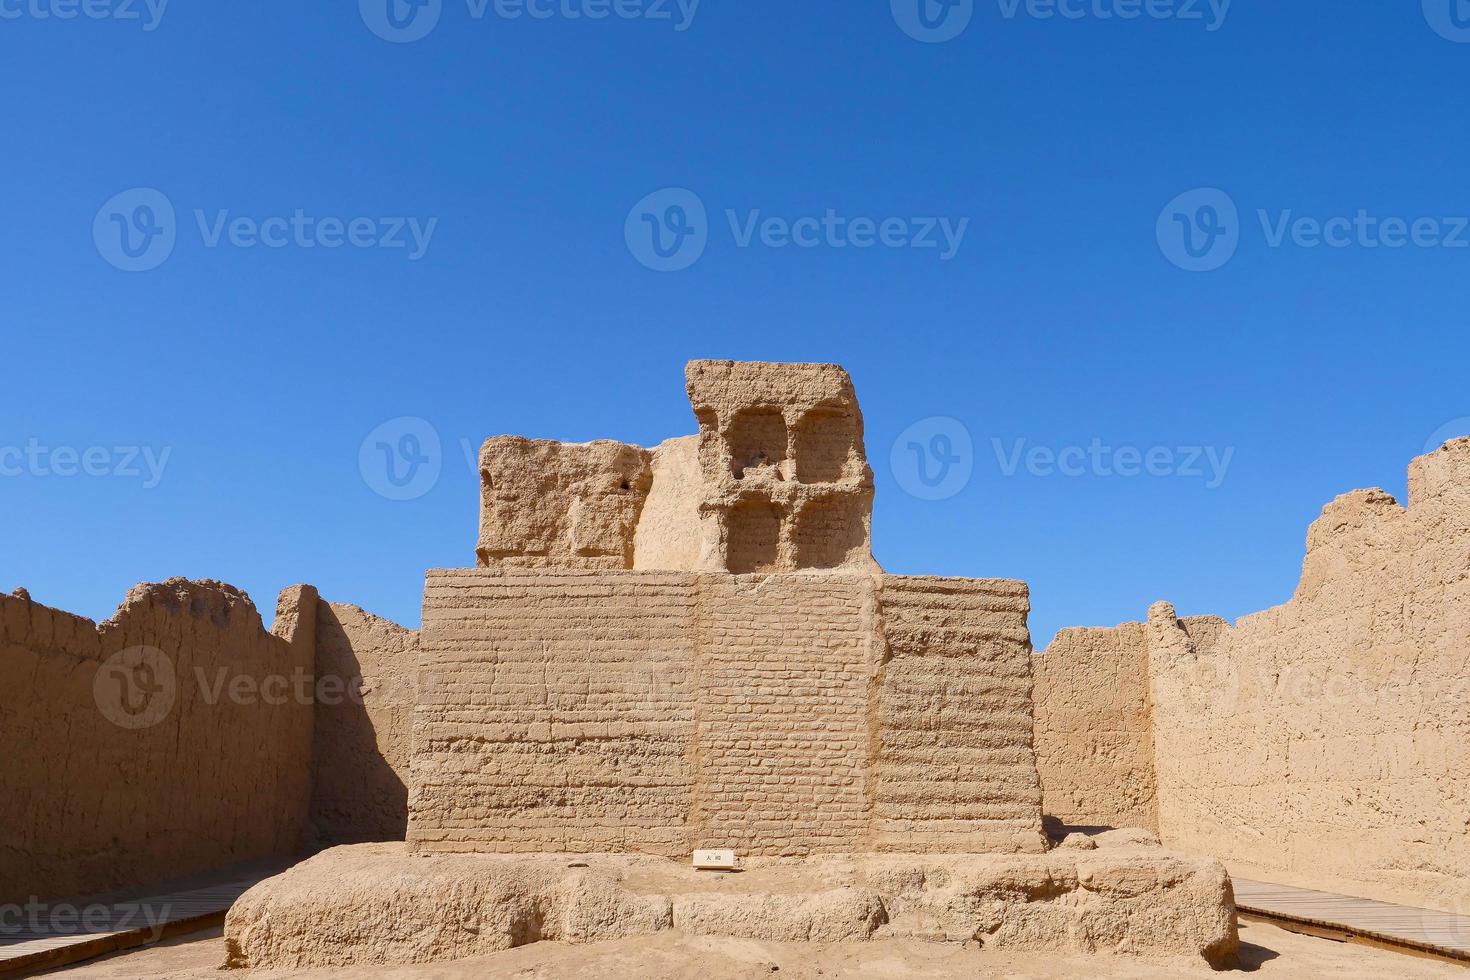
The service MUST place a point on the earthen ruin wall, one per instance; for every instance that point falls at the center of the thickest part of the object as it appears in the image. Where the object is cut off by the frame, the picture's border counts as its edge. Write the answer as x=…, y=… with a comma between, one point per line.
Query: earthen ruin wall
x=1094, y=732
x=88, y=805
x=368, y=683
x=778, y=715
x=954, y=766
x=1324, y=742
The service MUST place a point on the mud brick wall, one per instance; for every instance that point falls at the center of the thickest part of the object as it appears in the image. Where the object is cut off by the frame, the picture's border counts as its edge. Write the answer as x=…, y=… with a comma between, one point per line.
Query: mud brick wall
x=368, y=681
x=1094, y=732
x=557, y=715
x=778, y=715
x=783, y=674
x=126, y=770
x=954, y=768
x=1328, y=739
x=1325, y=742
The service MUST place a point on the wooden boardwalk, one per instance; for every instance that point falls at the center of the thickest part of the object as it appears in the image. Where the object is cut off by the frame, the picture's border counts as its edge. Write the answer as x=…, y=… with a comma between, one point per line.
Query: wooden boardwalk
x=55, y=934
x=1401, y=927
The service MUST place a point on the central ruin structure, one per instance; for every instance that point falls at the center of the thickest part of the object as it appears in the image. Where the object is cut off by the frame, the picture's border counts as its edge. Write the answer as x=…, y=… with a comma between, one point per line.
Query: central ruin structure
x=692, y=646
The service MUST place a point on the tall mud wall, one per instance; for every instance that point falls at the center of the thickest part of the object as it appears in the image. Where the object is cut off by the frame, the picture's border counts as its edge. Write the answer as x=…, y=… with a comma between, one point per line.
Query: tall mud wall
x=1094, y=734
x=165, y=741
x=368, y=682
x=778, y=715
x=1324, y=742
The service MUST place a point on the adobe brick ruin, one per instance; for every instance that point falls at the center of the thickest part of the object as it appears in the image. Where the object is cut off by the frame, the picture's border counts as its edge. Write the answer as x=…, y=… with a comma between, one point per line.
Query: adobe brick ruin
x=776, y=480
x=692, y=647
x=1322, y=743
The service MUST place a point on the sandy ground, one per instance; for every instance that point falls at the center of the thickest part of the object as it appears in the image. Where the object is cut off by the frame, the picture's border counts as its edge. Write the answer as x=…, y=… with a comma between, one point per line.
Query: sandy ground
x=1267, y=952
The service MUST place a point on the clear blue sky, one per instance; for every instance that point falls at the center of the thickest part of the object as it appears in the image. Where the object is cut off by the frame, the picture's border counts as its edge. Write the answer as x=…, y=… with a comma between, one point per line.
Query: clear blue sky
x=1061, y=319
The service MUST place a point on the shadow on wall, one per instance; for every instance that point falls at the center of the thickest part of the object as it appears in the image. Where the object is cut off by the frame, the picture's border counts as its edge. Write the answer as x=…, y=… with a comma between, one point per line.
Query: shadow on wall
x=142, y=745
x=365, y=691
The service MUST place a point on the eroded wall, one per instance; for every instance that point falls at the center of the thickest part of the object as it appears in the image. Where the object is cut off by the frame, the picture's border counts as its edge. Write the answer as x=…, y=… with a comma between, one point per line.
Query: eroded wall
x=1324, y=742
x=1094, y=733
x=546, y=504
x=150, y=746
x=782, y=714
x=368, y=681
x=785, y=480
x=954, y=767
x=1330, y=737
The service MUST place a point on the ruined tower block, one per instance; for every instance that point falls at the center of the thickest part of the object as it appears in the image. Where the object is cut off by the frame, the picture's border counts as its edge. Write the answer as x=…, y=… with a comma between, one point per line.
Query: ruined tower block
x=547, y=504
x=787, y=483
x=693, y=647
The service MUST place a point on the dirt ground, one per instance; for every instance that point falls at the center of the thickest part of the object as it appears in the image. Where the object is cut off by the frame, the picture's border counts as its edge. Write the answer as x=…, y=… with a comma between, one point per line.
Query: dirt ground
x=1267, y=952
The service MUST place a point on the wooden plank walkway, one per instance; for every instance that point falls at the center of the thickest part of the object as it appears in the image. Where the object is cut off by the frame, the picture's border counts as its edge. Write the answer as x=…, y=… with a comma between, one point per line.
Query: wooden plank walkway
x=1422, y=931
x=55, y=934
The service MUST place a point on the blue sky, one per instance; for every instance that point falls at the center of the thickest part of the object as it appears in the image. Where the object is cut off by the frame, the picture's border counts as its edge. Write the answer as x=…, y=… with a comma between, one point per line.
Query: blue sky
x=526, y=152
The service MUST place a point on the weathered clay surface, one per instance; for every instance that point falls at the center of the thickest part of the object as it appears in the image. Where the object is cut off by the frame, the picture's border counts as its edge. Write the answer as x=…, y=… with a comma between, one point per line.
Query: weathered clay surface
x=551, y=504
x=1128, y=900
x=786, y=478
x=779, y=715
x=372, y=904
x=830, y=916
x=1094, y=734
x=1326, y=742
x=367, y=684
x=375, y=904
x=671, y=535
x=206, y=779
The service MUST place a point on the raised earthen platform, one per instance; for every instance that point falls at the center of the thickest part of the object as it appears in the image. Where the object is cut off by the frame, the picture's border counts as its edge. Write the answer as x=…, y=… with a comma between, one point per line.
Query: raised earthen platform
x=377, y=904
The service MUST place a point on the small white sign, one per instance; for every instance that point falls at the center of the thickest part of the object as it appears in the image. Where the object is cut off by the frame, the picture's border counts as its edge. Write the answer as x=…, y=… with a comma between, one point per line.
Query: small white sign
x=714, y=860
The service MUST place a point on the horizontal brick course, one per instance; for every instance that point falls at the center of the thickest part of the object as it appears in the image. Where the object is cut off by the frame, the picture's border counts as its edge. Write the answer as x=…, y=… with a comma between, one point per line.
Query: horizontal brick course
x=777, y=715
